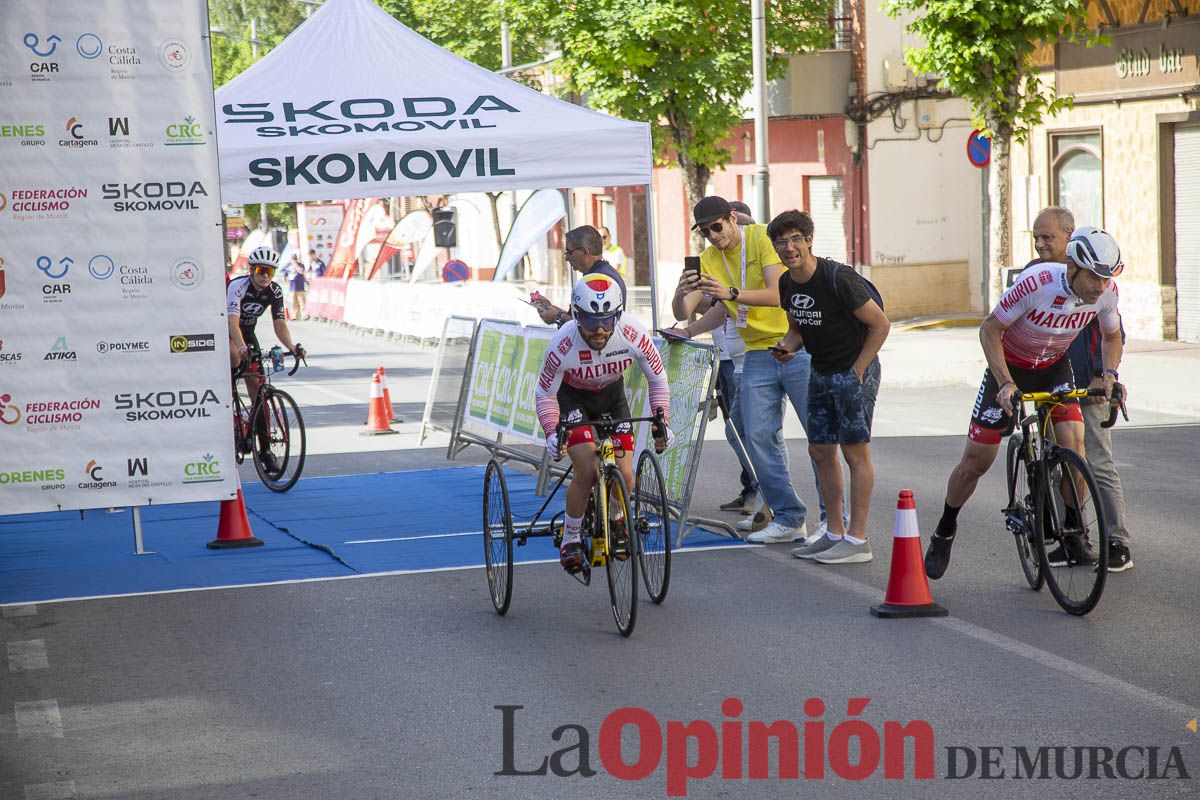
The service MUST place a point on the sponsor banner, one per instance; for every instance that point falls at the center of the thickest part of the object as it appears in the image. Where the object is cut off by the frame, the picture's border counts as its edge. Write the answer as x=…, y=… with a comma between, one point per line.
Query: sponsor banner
x=508, y=359
x=319, y=227
x=344, y=259
x=326, y=298
x=114, y=380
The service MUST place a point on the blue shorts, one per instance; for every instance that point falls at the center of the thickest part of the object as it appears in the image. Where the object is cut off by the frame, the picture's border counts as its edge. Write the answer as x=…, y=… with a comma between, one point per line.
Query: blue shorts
x=840, y=408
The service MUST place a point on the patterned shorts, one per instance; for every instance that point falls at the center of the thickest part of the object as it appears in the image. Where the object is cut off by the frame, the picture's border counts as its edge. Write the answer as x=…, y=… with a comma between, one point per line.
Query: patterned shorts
x=840, y=408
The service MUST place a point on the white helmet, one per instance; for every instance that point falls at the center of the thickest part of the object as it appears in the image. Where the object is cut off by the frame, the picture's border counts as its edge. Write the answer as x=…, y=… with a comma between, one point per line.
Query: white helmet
x=596, y=298
x=264, y=256
x=1095, y=250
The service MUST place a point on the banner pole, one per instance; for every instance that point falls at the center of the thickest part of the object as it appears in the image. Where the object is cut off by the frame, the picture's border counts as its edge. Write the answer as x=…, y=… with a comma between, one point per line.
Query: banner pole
x=651, y=252
x=138, y=547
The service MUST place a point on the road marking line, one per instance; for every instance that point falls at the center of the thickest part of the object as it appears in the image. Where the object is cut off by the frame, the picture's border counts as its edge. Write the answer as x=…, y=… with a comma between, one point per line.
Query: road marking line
x=1000, y=641
x=22, y=610
x=38, y=719
x=27, y=656
x=738, y=546
x=414, y=538
x=64, y=790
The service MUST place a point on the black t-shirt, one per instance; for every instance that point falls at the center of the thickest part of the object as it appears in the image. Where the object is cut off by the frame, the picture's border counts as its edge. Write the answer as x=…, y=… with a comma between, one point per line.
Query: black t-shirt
x=833, y=336
x=246, y=300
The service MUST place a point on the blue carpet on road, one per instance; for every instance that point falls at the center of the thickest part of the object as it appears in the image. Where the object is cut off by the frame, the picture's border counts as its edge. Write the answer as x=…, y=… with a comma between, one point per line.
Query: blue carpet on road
x=323, y=528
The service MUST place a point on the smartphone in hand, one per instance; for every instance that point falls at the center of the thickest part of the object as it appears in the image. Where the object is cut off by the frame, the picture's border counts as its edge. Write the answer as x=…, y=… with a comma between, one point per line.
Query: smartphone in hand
x=691, y=264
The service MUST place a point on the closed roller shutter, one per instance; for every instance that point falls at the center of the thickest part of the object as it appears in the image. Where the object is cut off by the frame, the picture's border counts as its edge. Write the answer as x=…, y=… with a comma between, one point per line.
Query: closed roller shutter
x=1187, y=232
x=827, y=205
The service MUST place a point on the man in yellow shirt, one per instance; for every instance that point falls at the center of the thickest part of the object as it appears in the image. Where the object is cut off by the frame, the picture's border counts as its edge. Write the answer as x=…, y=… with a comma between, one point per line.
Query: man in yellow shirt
x=741, y=269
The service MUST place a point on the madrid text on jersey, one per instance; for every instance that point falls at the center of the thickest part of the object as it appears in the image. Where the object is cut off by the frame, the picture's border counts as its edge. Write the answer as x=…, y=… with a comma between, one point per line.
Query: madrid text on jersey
x=363, y=115
x=415, y=165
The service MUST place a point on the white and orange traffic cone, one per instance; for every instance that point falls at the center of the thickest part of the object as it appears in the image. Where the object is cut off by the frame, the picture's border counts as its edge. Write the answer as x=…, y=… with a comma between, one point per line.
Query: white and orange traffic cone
x=377, y=415
x=908, y=588
x=233, y=527
x=387, y=396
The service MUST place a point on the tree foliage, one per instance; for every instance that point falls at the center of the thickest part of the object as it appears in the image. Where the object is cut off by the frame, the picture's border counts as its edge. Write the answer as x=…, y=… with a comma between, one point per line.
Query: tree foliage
x=981, y=51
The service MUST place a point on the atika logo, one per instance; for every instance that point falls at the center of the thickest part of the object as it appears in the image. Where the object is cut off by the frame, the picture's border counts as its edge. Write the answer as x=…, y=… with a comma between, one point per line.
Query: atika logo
x=852, y=749
x=61, y=351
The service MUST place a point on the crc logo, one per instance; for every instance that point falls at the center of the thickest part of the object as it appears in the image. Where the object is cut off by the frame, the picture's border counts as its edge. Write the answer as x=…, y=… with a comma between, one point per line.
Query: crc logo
x=89, y=46
x=185, y=133
x=206, y=470
x=802, y=302
x=10, y=412
x=193, y=342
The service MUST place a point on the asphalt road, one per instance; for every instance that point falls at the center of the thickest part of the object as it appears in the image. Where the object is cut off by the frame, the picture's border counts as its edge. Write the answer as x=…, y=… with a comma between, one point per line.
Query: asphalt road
x=389, y=687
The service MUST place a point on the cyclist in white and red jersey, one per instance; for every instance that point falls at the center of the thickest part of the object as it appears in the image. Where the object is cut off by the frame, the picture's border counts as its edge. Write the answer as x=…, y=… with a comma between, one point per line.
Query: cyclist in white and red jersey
x=1025, y=339
x=581, y=378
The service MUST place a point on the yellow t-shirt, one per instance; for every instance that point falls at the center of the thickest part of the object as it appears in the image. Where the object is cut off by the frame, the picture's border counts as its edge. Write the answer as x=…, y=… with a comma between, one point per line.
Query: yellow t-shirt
x=766, y=325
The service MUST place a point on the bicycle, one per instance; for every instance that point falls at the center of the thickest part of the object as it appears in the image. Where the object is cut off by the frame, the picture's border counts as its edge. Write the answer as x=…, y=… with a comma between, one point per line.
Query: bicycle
x=1045, y=506
x=604, y=532
x=271, y=431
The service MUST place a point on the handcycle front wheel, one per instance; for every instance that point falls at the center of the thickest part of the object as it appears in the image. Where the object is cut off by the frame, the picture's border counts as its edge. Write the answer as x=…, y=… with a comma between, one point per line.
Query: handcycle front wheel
x=1064, y=519
x=615, y=525
x=278, y=423
x=497, y=537
x=1019, y=513
x=652, y=522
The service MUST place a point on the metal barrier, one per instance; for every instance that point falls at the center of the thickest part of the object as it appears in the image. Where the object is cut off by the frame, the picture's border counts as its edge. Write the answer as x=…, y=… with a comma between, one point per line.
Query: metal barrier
x=449, y=367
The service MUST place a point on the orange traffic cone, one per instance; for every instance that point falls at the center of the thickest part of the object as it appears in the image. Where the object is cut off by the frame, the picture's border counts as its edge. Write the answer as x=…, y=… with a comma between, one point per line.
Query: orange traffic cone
x=377, y=415
x=233, y=529
x=387, y=396
x=908, y=589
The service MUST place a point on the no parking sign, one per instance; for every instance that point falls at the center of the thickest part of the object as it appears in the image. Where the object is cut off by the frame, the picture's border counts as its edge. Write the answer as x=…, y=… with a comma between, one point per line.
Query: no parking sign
x=979, y=149
x=455, y=271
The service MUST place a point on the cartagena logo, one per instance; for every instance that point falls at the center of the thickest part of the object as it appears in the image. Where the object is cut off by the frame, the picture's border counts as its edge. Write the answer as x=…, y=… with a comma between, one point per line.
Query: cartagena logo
x=205, y=470
x=817, y=749
x=78, y=139
x=95, y=474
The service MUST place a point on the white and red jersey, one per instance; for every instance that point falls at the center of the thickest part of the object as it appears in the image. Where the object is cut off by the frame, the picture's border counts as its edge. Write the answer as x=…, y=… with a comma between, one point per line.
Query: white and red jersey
x=1042, y=316
x=569, y=359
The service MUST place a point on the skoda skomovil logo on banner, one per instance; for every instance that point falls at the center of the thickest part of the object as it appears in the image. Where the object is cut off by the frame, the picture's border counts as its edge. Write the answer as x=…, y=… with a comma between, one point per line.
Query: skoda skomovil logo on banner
x=166, y=405
x=322, y=118
x=154, y=195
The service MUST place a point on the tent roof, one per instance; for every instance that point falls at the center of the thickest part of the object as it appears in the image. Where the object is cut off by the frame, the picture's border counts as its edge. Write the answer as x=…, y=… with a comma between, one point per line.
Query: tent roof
x=355, y=104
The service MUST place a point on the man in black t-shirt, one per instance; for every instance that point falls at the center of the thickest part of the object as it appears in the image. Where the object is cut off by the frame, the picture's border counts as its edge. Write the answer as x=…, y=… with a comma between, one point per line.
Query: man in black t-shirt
x=835, y=318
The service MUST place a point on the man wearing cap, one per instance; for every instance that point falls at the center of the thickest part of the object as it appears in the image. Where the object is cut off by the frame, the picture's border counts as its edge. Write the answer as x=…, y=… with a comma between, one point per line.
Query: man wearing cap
x=583, y=249
x=741, y=269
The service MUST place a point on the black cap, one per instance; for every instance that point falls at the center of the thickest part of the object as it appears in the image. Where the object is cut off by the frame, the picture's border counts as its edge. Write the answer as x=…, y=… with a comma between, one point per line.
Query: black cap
x=710, y=209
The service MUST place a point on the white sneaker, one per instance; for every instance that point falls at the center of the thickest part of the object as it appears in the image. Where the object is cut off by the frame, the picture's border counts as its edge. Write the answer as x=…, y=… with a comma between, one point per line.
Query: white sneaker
x=821, y=530
x=755, y=522
x=774, y=532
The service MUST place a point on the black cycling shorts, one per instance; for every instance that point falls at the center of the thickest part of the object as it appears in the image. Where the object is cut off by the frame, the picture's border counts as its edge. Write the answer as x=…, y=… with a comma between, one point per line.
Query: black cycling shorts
x=989, y=423
x=575, y=405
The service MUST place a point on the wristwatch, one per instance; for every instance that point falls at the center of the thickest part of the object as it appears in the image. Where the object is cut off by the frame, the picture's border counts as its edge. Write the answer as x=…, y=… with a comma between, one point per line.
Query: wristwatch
x=733, y=293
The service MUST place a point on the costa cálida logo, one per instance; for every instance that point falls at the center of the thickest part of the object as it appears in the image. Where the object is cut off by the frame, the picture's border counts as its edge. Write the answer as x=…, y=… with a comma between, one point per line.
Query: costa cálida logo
x=155, y=195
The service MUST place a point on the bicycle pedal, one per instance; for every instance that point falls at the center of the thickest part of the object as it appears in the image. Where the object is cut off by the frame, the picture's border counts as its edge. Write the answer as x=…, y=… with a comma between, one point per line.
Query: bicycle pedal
x=521, y=541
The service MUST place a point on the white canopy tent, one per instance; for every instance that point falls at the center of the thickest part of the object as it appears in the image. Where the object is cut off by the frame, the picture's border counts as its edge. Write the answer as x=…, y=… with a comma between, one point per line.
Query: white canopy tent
x=384, y=112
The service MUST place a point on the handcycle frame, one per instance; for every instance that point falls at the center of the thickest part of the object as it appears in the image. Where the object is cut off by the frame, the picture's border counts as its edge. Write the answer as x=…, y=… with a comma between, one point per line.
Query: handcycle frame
x=594, y=531
x=1034, y=451
x=245, y=436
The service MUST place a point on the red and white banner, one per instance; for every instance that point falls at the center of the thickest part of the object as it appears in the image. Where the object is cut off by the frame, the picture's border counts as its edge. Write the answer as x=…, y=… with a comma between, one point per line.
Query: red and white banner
x=404, y=239
x=327, y=298
x=344, y=260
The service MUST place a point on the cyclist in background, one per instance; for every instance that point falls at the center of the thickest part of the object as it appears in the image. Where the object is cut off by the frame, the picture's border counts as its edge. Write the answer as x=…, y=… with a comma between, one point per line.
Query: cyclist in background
x=582, y=378
x=247, y=298
x=1025, y=339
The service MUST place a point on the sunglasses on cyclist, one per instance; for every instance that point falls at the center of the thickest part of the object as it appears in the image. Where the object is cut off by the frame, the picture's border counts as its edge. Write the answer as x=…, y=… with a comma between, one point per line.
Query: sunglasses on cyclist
x=259, y=269
x=594, y=322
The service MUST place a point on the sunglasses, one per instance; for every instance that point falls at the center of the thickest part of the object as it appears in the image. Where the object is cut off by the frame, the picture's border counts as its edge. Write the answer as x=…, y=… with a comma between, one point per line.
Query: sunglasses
x=709, y=230
x=592, y=323
x=261, y=270
x=796, y=241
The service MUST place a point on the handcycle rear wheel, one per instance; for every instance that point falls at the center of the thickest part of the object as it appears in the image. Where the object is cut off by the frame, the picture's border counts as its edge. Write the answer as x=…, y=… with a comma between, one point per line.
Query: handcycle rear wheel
x=1076, y=586
x=1020, y=511
x=279, y=416
x=497, y=537
x=652, y=521
x=621, y=572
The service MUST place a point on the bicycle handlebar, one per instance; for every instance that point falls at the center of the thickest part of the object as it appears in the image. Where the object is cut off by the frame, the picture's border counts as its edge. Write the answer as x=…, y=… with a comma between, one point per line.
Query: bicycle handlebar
x=658, y=422
x=1119, y=394
x=1075, y=394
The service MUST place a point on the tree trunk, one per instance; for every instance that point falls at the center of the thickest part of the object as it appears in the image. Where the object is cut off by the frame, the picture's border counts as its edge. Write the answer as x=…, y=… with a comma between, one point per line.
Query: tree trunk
x=695, y=181
x=999, y=217
x=494, y=199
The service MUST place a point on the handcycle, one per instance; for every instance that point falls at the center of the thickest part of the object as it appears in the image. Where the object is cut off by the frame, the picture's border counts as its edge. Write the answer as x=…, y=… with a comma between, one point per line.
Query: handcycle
x=1053, y=500
x=271, y=430
x=604, y=534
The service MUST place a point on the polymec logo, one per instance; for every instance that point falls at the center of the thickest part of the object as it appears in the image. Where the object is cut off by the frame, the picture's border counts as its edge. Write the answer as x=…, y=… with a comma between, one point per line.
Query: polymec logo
x=10, y=412
x=206, y=470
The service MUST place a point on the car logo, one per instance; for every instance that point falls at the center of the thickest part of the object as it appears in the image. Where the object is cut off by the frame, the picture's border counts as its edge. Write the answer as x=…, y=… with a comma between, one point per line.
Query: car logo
x=802, y=302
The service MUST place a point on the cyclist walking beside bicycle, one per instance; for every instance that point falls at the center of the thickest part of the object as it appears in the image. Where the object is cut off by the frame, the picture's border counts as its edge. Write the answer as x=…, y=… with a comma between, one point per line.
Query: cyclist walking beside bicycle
x=582, y=378
x=1025, y=340
x=247, y=298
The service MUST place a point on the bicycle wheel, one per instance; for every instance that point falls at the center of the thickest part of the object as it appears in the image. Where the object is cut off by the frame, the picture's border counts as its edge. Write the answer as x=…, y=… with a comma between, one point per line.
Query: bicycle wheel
x=1067, y=520
x=1018, y=516
x=621, y=562
x=497, y=537
x=652, y=521
x=278, y=433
